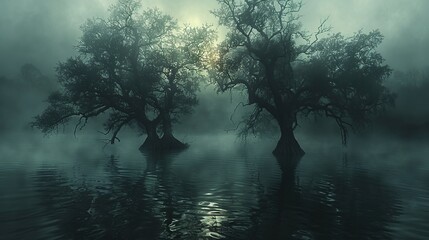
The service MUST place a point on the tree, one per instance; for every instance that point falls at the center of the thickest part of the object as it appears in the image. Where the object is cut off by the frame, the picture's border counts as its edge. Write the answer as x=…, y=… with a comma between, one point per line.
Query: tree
x=119, y=71
x=183, y=57
x=287, y=72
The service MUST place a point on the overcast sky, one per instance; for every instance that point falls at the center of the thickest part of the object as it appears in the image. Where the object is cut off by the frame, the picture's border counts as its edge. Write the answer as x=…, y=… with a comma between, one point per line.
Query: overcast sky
x=43, y=32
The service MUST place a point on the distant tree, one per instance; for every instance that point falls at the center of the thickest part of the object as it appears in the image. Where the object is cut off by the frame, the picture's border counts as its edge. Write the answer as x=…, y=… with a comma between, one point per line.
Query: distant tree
x=409, y=118
x=287, y=72
x=121, y=71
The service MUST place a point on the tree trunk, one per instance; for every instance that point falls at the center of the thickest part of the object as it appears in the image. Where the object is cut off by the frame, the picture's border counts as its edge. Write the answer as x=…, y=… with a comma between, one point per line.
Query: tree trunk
x=171, y=143
x=152, y=142
x=168, y=141
x=288, y=151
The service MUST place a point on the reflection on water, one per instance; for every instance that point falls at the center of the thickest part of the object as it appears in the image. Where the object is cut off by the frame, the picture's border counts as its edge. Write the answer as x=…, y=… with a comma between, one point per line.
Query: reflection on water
x=216, y=193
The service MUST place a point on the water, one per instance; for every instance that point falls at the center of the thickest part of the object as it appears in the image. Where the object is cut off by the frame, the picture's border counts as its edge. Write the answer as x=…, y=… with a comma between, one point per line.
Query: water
x=220, y=188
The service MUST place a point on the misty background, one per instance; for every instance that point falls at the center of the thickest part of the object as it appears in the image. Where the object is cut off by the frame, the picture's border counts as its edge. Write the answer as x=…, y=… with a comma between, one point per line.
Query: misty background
x=37, y=35
x=380, y=182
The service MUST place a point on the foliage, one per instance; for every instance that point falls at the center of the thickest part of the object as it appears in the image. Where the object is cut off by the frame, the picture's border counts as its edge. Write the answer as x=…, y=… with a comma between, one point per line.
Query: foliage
x=137, y=67
x=287, y=72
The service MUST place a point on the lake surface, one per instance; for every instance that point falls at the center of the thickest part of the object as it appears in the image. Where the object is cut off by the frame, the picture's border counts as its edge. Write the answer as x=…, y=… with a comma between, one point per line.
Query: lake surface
x=220, y=188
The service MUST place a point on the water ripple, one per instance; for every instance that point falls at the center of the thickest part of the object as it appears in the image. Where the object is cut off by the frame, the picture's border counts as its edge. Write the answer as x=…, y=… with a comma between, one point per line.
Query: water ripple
x=212, y=194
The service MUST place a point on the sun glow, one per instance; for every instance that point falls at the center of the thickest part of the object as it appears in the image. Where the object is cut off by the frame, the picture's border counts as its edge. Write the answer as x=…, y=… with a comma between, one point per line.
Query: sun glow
x=211, y=57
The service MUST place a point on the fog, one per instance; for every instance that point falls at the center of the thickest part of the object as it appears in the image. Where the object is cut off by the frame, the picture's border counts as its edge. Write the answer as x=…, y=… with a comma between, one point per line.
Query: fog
x=37, y=35
x=43, y=33
x=220, y=175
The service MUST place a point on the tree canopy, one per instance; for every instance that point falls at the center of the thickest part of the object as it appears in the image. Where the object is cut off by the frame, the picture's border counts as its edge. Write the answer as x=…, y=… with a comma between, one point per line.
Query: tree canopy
x=136, y=66
x=287, y=72
x=140, y=66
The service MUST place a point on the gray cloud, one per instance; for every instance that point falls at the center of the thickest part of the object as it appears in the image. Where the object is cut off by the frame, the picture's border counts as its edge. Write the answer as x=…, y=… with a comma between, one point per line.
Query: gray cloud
x=44, y=32
x=41, y=32
x=402, y=22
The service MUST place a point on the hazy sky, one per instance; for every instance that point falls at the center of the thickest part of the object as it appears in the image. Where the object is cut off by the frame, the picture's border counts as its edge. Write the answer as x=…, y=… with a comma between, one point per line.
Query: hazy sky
x=44, y=32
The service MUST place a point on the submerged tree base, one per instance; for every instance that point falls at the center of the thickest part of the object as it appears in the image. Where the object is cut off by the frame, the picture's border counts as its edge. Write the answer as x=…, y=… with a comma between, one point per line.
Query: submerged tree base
x=151, y=144
x=165, y=144
x=170, y=143
x=288, y=164
x=288, y=153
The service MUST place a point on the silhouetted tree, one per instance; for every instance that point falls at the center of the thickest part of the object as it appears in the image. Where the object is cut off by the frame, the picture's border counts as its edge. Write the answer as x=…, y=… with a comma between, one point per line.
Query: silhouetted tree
x=286, y=72
x=35, y=78
x=182, y=57
x=124, y=68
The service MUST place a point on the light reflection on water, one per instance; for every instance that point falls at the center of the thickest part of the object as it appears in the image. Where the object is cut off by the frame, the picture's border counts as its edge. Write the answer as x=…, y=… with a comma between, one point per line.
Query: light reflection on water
x=217, y=189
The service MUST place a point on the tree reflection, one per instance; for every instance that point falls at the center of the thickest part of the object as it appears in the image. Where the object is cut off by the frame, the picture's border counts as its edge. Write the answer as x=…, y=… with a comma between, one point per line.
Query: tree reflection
x=346, y=205
x=146, y=207
x=288, y=164
x=159, y=204
x=120, y=210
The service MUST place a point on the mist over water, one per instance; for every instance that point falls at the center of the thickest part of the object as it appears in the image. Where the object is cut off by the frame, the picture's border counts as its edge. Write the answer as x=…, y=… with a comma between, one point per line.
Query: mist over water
x=66, y=188
x=63, y=186
x=74, y=185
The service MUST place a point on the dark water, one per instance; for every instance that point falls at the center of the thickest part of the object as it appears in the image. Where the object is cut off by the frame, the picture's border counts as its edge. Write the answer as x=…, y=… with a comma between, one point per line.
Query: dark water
x=220, y=188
